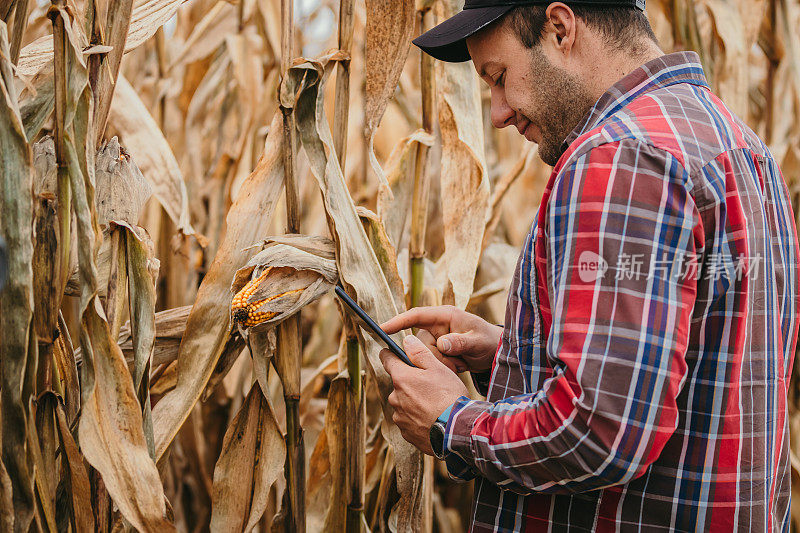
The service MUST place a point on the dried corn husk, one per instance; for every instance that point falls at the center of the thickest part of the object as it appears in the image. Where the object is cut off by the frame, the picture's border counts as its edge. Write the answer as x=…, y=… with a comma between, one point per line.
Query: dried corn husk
x=277, y=283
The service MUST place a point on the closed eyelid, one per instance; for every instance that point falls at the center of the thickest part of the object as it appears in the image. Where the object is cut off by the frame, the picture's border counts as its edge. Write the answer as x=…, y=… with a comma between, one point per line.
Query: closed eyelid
x=499, y=77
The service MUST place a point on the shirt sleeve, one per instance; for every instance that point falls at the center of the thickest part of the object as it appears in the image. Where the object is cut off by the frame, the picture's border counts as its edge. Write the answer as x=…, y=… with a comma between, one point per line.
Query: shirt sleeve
x=618, y=338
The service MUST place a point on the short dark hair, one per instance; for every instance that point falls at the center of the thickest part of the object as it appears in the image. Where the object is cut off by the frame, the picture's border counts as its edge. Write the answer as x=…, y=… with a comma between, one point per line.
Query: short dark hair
x=623, y=26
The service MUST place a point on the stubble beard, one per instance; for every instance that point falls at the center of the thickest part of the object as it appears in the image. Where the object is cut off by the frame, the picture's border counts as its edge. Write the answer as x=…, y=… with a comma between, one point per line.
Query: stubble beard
x=565, y=102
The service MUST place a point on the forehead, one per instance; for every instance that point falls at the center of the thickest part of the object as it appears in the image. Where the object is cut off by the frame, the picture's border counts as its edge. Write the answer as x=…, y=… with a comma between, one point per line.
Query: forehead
x=490, y=46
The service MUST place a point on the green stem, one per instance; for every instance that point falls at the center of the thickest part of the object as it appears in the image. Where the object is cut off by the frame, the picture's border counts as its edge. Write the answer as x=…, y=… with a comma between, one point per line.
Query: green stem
x=356, y=408
x=295, y=467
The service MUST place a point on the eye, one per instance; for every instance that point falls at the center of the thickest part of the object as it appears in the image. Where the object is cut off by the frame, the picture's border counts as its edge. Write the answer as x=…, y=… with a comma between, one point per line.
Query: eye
x=501, y=80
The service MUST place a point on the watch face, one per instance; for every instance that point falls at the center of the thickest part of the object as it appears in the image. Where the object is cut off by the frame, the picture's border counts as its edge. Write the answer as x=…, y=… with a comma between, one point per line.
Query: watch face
x=436, y=436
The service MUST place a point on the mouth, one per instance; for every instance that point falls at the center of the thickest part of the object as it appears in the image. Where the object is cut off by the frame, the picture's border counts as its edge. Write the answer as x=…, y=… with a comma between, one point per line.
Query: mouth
x=528, y=132
x=525, y=129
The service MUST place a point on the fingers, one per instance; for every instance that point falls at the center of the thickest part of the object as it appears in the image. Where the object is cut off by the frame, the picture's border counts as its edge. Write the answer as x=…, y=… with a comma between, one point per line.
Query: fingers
x=434, y=319
x=392, y=363
x=456, y=344
x=430, y=342
x=419, y=354
x=455, y=364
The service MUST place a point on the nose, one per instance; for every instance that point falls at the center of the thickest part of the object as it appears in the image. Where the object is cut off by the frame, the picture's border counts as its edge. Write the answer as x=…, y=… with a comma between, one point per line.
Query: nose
x=502, y=114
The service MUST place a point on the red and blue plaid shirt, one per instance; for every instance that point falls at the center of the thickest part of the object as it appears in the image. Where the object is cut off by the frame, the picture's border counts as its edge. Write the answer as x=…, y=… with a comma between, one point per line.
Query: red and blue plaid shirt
x=641, y=381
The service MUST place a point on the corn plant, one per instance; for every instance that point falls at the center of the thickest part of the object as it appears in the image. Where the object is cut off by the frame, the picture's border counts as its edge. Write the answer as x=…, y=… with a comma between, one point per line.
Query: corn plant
x=184, y=181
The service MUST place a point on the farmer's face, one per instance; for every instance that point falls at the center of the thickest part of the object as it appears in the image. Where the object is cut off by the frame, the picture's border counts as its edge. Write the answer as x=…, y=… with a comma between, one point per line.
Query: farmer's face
x=543, y=101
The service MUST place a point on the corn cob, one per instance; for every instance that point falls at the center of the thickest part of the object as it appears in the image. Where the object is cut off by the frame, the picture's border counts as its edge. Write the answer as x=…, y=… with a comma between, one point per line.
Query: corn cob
x=246, y=312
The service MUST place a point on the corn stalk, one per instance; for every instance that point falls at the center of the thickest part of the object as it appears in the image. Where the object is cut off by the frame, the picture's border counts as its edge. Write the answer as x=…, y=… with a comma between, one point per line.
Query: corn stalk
x=356, y=406
x=419, y=205
x=289, y=342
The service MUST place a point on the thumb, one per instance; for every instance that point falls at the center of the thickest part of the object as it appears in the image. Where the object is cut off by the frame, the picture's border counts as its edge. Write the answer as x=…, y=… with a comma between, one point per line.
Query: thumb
x=419, y=354
x=455, y=344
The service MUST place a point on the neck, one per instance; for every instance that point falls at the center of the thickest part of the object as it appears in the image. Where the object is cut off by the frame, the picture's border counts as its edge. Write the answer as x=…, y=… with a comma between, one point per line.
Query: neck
x=610, y=66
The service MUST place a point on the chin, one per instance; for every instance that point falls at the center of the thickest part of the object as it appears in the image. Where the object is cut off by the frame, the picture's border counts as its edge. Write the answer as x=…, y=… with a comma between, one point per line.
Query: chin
x=549, y=155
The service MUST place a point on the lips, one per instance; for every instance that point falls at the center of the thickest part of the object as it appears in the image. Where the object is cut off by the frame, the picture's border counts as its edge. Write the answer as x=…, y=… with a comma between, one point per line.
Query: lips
x=524, y=126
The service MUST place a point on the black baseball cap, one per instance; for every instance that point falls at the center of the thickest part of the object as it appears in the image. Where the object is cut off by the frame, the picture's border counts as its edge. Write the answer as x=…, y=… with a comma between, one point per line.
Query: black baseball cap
x=447, y=41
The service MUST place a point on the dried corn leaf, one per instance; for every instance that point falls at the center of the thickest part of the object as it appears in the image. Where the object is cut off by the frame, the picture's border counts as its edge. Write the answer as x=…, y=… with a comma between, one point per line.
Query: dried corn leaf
x=208, y=34
x=388, y=39
x=17, y=342
x=251, y=460
x=142, y=270
x=142, y=136
x=81, y=517
x=170, y=325
x=358, y=266
x=147, y=17
x=318, y=493
x=37, y=100
x=319, y=246
x=394, y=211
x=208, y=326
x=6, y=500
x=64, y=361
x=385, y=252
x=110, y=428
x=44, y=463
x=277, y=283
x=262, y=345
x=464, y=182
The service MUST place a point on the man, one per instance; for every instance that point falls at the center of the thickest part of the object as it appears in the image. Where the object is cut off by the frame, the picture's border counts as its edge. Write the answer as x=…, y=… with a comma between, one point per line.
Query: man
x=640, y=381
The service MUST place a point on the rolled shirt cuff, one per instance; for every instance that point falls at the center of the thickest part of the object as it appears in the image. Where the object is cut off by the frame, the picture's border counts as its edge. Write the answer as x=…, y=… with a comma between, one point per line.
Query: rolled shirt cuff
x=458, y=456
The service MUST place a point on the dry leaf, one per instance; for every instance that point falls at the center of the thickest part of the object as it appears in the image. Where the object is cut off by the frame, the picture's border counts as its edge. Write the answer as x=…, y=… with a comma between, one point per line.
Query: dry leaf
x=17, y=349
x=335, y=433
x=395, y=209
x=79, y=488
x=147, y=17
x=250, y=462
x=143, y=138
x=388, y=39
x=358, y=265
x=209, y=324
x=464, y=183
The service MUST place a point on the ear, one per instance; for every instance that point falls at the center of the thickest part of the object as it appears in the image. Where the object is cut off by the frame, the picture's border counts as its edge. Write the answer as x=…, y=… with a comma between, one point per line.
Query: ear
x=562, y=26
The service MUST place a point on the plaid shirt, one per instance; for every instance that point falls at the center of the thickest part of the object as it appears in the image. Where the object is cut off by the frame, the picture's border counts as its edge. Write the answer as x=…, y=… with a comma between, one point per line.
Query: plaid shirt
x=641, y=381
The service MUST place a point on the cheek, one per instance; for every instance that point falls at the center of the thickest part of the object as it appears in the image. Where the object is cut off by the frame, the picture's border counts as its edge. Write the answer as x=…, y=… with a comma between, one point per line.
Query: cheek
x=520, y=96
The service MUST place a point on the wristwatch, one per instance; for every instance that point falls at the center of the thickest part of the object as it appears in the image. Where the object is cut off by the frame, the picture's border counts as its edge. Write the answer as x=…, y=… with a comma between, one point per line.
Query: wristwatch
x=436, y=433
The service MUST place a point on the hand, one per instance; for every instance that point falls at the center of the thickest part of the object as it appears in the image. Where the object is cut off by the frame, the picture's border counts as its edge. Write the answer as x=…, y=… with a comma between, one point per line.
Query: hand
x=463, y=340
x=420, y=394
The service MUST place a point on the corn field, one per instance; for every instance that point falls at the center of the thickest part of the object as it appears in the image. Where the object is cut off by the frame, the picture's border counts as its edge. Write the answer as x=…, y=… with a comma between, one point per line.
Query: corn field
x=183, y=184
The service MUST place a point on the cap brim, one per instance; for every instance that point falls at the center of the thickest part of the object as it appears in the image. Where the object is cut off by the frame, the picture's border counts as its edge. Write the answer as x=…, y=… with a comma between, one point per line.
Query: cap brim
x=447, y=41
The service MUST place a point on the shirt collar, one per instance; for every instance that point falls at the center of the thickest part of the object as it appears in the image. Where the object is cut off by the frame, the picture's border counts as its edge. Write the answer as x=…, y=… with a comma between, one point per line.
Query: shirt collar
x=680, y=67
